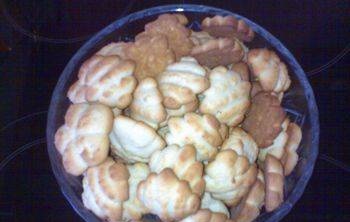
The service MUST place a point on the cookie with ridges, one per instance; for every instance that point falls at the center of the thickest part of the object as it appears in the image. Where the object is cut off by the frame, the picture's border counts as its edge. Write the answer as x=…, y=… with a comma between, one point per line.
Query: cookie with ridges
x=241, y=142
x=83, y=139
x=274, y=181
x=249, y=208
x=201, y=131
x=227, y=98
x=147, y=103
x=290, y=157
x=105, y=79
x=167, y=196
x=105, y=188
x=134, y=141
x=229, y=176
x=179, y=85
x=270, y=71
x=228, y=26
x=182, y=160
x=218, y=52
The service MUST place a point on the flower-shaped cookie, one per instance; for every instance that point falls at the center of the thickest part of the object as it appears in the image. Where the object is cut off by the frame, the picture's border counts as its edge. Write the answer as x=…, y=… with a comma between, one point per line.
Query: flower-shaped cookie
x=227, y=97
x=277, y=148
x=134, y=140
x=151, y=55
x=228, y=26
x=147, y=104
x=179, y=85
x=184, y=164
x=242, y=143
x=249, y=208
x=205, y=215
x=83, y=139
x=133, y=209
x=105, y=79
x=105, y=189
x=290, y=156
x=167, y=196
x=216, y=52
x=270, y=71
x=229, y=176
x=201, y=131
x=172, y=27
x=274, y=180
x=264, y=119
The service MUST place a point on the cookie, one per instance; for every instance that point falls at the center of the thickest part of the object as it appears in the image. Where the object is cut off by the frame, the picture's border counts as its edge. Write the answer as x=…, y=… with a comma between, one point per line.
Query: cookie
x=172, y=27
x=229, y=27
x=229, y=176
x=269, y=70
x=151, y=55
x=274, y=181
x=167, y=196
x=264, y=119
x=216, y=52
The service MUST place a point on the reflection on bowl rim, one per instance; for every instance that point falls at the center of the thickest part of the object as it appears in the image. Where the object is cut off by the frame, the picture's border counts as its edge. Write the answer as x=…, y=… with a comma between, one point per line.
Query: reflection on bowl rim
x=300, y=74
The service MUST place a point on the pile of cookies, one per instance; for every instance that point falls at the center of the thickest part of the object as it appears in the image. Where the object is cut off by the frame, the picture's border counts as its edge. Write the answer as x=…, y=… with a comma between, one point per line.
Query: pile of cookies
x=181, y=124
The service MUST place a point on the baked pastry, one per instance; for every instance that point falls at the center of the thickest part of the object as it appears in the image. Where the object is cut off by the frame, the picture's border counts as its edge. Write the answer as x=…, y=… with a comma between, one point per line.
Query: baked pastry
x=227, y=98
x=277, y=149
x=218, y=52
x=264, y=119
x=180, y=83
x=214, y=205
x=105, y=79
x=229, y=176
x=270, y=71
x=205, y=215
x=201, y=131
x=256, y=88
x=105, y=189
x=173, y=28
x=242, y=143
x=167, y=196
x=147, y=104
x=290, y=156
x=134, y=140
x=83, y=139
x=133, y=208
x=274, y=181
x=151, y=55
x=228, y=26
x=182, y=160
x=249, y=207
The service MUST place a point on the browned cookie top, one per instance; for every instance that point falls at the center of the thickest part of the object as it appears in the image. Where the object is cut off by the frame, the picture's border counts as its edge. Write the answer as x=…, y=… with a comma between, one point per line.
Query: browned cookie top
x=264, y=119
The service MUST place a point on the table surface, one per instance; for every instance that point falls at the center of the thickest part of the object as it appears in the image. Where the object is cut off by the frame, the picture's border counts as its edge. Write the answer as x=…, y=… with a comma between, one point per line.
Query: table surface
x=37, y=39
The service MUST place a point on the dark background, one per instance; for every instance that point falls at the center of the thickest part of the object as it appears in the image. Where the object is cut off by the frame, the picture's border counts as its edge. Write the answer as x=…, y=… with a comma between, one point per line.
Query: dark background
x=37, y=39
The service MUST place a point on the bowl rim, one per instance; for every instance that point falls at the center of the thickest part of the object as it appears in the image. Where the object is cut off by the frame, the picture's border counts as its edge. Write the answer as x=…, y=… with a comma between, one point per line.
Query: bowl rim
x=301, y=183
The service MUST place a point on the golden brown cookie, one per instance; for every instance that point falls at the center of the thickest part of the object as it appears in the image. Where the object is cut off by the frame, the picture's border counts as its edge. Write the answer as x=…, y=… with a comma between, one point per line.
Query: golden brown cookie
x=172, y=27
x=290, y=157
x=151, y=55
x=215, y=52
x=228, y=26
x=264, y=119
x=274, y=180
